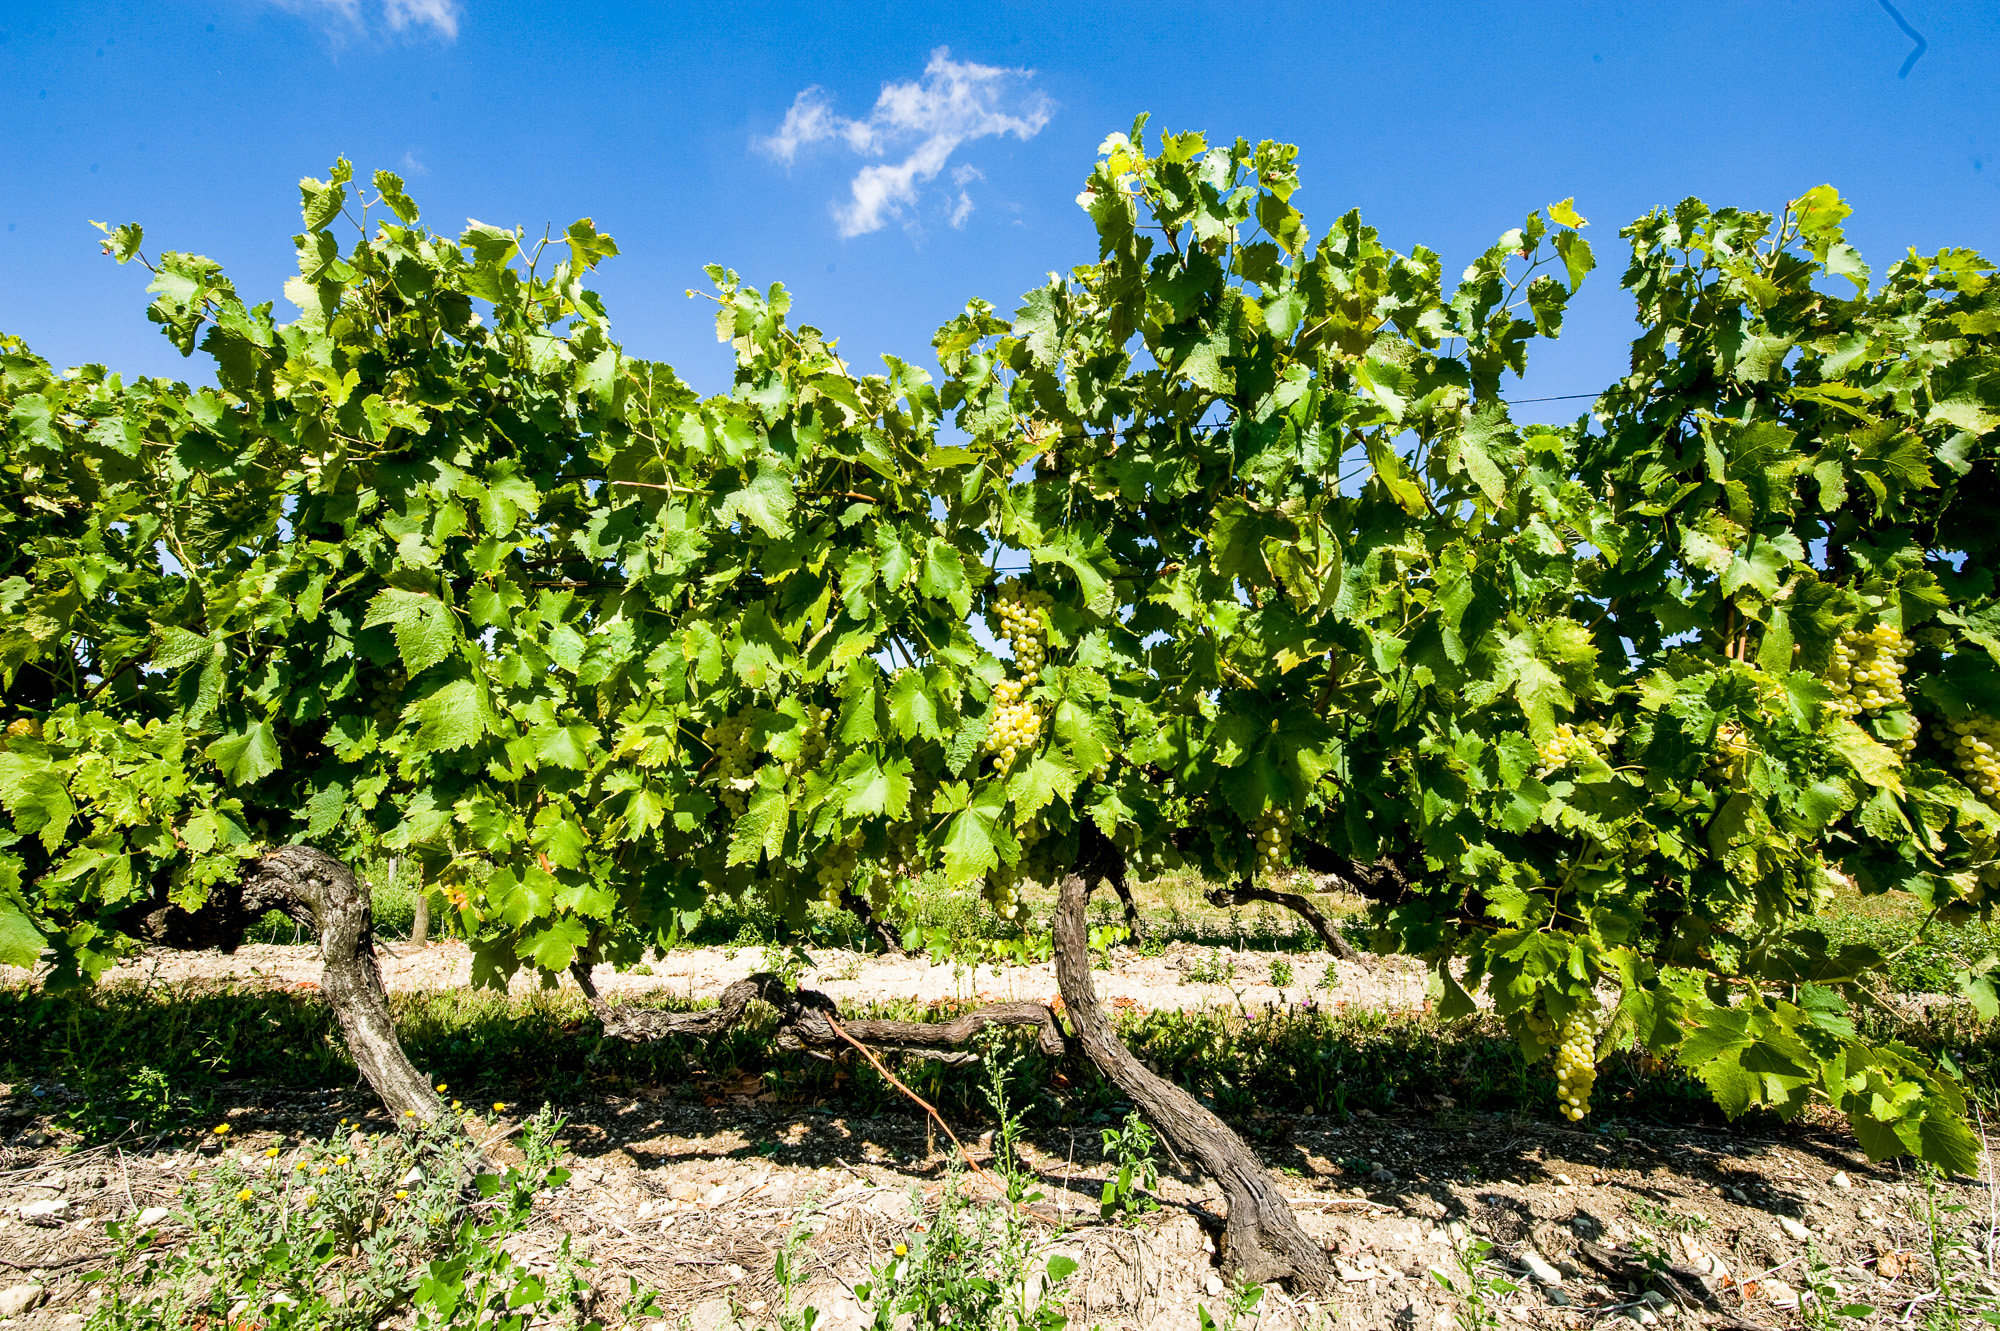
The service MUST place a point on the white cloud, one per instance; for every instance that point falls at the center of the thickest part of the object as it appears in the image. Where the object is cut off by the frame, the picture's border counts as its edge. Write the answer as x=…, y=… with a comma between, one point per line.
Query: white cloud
x=352, y=18
x=961, y=177
x=439, y=15
x=953, y=103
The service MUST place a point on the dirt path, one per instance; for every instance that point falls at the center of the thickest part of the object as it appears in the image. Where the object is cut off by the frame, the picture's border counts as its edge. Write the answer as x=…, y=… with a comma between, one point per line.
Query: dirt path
x=1152, y=982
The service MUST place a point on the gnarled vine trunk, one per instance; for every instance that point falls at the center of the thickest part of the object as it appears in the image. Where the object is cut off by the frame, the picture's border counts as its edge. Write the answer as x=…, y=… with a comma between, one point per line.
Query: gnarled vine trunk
x=1245, y=892
x=313, y=888
x=803, y=1024
x=1262, y=1238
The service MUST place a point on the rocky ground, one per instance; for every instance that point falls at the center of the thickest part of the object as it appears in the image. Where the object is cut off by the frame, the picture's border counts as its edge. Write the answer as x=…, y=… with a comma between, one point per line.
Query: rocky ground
x=694, y=1193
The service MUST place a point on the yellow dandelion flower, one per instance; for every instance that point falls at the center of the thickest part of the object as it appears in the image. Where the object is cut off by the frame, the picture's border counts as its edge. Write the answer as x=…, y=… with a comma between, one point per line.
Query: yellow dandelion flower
x=454, y=1104
x=320, y=1170
x=499, y=1107
x=299, y=1167
x=271, y=1154
x=902, y=1250
x=245, y=1195
x=222, y=1129
x=440, y=1088
x=409, y=1113
x=340, y=1159
x=402, y=1193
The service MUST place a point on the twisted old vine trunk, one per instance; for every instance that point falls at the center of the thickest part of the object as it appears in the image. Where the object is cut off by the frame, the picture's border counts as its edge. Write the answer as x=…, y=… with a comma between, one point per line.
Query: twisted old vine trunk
x=1246, y=892
x=803, y=1024
x=315, y=889
x=1261, y=1238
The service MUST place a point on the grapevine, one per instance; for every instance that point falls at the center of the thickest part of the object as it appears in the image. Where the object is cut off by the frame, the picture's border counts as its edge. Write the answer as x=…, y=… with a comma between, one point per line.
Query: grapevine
x=1732, y=750
x=1244, y=622
x=813, y=742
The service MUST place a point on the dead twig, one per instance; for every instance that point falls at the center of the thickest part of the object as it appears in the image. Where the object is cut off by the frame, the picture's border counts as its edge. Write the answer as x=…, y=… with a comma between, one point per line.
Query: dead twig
x=919, y=1100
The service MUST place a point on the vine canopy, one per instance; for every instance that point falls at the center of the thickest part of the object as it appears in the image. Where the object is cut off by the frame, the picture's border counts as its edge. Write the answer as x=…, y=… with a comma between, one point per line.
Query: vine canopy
x=1223, y=551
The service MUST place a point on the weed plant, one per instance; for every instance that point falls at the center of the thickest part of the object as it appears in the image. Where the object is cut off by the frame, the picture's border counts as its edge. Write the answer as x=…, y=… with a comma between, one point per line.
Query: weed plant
x=973, y=1265
x=340, y=1233
x=1135, y=1173
x=1318, y=1059
x=1243, y=1301
x=1476, y=1284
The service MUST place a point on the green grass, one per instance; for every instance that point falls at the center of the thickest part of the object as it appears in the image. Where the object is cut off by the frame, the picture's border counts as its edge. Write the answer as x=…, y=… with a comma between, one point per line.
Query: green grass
x=1918, y=964
x=543, y=1045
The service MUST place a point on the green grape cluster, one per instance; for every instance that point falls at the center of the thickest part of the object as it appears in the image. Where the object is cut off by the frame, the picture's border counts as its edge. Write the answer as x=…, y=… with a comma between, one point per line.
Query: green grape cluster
x=1975, y=747
x=1273, y=834
x=813, y=744
x=1015, y=726
x=837, y=867
x=1019, y=609
x=1005, y=894
x=1732, y=750
x=1867, y=670
x=1571, y=742
x=1576, y=1066
x=729, y=738
x=24, y=727
x=901, y=859
x=388, y=704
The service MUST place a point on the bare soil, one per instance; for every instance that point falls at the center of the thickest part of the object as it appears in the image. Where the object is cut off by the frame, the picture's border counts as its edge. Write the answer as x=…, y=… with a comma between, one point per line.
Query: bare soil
x=693, y=1192
x=1153, y=982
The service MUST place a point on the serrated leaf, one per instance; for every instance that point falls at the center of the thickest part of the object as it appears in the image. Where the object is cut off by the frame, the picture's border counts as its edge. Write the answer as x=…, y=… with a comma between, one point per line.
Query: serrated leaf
x=451, y=716
x=21, y=943
x=765, y=501
x=248, y=755
x=761, y=829
x=555, y=945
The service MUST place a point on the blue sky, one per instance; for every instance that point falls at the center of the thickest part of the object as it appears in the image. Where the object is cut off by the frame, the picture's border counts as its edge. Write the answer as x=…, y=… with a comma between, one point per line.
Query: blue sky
x=1444, y=123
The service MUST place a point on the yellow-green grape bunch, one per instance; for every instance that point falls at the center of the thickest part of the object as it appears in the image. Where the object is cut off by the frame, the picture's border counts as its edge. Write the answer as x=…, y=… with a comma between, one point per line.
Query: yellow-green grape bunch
x=1732, y=747
x=1576, y=1066
x=24, y=727
x=1005, y=893
x=386, y=708
x=812, y=744
x=1015, y=726
x=1975, y=748
x=1570, y=742
x=1867, y=670
x=730, y=739
x=1021, y=625
x=1273, y=833
x=837, y=866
